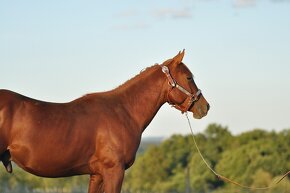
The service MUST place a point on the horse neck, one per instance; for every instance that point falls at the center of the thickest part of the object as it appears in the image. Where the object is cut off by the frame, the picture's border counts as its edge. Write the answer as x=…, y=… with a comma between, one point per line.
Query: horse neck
x=143, y=96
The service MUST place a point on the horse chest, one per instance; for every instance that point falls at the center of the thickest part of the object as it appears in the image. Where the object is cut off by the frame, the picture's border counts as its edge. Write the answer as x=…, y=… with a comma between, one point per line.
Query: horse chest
x=130, y=158
x=131, y=146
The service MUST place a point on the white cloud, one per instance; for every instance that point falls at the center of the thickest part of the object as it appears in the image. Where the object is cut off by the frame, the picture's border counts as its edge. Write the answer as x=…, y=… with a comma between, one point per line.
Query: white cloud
x=280, y=1
x=250, y=3
x=172, y=13
x=244, y=3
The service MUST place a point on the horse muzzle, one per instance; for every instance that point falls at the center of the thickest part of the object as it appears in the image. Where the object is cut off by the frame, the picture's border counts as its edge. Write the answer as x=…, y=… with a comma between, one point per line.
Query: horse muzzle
x=200, y=108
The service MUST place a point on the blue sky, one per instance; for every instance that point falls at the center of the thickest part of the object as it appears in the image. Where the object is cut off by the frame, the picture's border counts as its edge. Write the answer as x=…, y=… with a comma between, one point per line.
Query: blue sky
x=238, y=50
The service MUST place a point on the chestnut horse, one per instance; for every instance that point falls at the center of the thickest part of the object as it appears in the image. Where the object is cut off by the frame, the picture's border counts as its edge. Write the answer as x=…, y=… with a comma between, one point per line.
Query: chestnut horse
x=97, y=134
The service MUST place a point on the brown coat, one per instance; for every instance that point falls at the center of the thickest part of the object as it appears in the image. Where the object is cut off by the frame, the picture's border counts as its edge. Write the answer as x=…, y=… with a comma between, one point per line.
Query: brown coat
x=97, y=134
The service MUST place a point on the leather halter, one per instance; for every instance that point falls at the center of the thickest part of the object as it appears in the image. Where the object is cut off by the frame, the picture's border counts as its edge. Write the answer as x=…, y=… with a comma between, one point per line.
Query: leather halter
x=191, y=98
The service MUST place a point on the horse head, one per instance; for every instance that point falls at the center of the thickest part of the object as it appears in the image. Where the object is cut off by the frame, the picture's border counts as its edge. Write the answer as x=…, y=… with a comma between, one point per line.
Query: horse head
x=182, y=92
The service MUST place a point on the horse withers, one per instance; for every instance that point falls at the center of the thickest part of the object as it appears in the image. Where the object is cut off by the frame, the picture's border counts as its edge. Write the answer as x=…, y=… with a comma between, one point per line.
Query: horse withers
x=97, y=134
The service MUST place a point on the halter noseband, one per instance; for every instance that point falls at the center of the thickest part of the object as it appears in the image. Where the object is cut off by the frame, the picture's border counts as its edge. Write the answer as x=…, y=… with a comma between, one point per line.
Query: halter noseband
x=191, y=98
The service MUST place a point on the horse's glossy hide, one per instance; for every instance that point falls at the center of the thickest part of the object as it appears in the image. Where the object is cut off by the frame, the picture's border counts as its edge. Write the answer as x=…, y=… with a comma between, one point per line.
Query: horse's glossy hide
x=97, y=134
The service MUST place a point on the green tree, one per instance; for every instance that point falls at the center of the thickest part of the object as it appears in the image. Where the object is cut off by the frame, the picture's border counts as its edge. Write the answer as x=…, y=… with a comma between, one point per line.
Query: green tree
x=218, y=139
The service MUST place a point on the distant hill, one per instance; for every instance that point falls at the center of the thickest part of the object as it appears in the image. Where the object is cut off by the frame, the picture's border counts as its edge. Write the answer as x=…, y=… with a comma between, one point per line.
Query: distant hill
x=149, y=141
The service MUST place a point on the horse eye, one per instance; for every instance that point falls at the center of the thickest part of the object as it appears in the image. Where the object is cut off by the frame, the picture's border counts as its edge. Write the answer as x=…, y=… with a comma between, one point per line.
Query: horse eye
x=189, y=78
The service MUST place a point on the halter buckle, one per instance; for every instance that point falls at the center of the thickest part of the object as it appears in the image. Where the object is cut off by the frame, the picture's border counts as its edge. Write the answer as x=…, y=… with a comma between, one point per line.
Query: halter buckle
x=165, y=69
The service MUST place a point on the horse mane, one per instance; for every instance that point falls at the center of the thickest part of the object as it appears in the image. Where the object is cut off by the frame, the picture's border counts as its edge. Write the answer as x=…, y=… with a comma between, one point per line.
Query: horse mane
x=125, y=84
x=135, y=78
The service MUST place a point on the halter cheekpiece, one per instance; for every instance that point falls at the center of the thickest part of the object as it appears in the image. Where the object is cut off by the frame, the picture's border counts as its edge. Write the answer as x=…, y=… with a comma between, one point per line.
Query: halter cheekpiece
x=191, y=98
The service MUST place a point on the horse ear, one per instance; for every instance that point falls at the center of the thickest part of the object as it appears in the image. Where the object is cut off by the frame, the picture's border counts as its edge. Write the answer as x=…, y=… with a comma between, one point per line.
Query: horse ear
x=178, y=58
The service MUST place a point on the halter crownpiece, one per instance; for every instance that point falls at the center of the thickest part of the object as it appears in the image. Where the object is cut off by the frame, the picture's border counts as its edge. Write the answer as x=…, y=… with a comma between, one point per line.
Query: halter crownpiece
x=191, y=98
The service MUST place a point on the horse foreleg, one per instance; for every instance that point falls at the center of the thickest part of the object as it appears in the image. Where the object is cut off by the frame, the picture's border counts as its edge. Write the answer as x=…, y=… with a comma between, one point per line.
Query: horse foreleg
x=113, y=178
x=96, y=184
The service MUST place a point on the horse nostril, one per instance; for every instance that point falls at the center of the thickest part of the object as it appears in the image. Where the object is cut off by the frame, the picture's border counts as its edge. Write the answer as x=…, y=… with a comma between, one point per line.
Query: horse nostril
x=208, y=106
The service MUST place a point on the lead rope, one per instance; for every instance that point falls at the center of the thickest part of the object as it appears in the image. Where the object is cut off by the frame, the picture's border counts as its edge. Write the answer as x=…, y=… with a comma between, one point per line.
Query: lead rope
x=224, y=178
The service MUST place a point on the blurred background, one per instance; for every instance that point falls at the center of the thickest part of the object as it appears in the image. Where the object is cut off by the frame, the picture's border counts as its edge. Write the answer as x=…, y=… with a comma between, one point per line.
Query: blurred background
x=238, y=51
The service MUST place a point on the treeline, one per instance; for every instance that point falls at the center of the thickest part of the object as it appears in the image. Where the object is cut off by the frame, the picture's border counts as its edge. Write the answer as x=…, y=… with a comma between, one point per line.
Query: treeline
x=22, y=182
x=255, y=158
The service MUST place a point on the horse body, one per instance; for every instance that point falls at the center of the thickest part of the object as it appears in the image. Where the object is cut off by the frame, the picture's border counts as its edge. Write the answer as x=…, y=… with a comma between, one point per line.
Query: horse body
x=97, y=134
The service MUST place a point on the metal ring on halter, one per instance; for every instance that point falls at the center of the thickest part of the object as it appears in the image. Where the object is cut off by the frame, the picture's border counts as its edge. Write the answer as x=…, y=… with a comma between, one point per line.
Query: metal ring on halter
x=197, y=95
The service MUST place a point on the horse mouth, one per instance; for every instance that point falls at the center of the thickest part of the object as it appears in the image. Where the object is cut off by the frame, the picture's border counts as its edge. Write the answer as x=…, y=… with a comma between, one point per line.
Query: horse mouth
x=199, y=116
x=200, y=113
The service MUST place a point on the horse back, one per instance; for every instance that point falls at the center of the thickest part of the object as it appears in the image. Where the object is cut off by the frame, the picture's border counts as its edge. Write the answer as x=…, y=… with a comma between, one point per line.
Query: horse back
x=52, y=134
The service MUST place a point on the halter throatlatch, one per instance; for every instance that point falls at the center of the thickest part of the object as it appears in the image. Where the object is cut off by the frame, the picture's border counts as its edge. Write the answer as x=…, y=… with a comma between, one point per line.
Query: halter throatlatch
x=191, y=98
